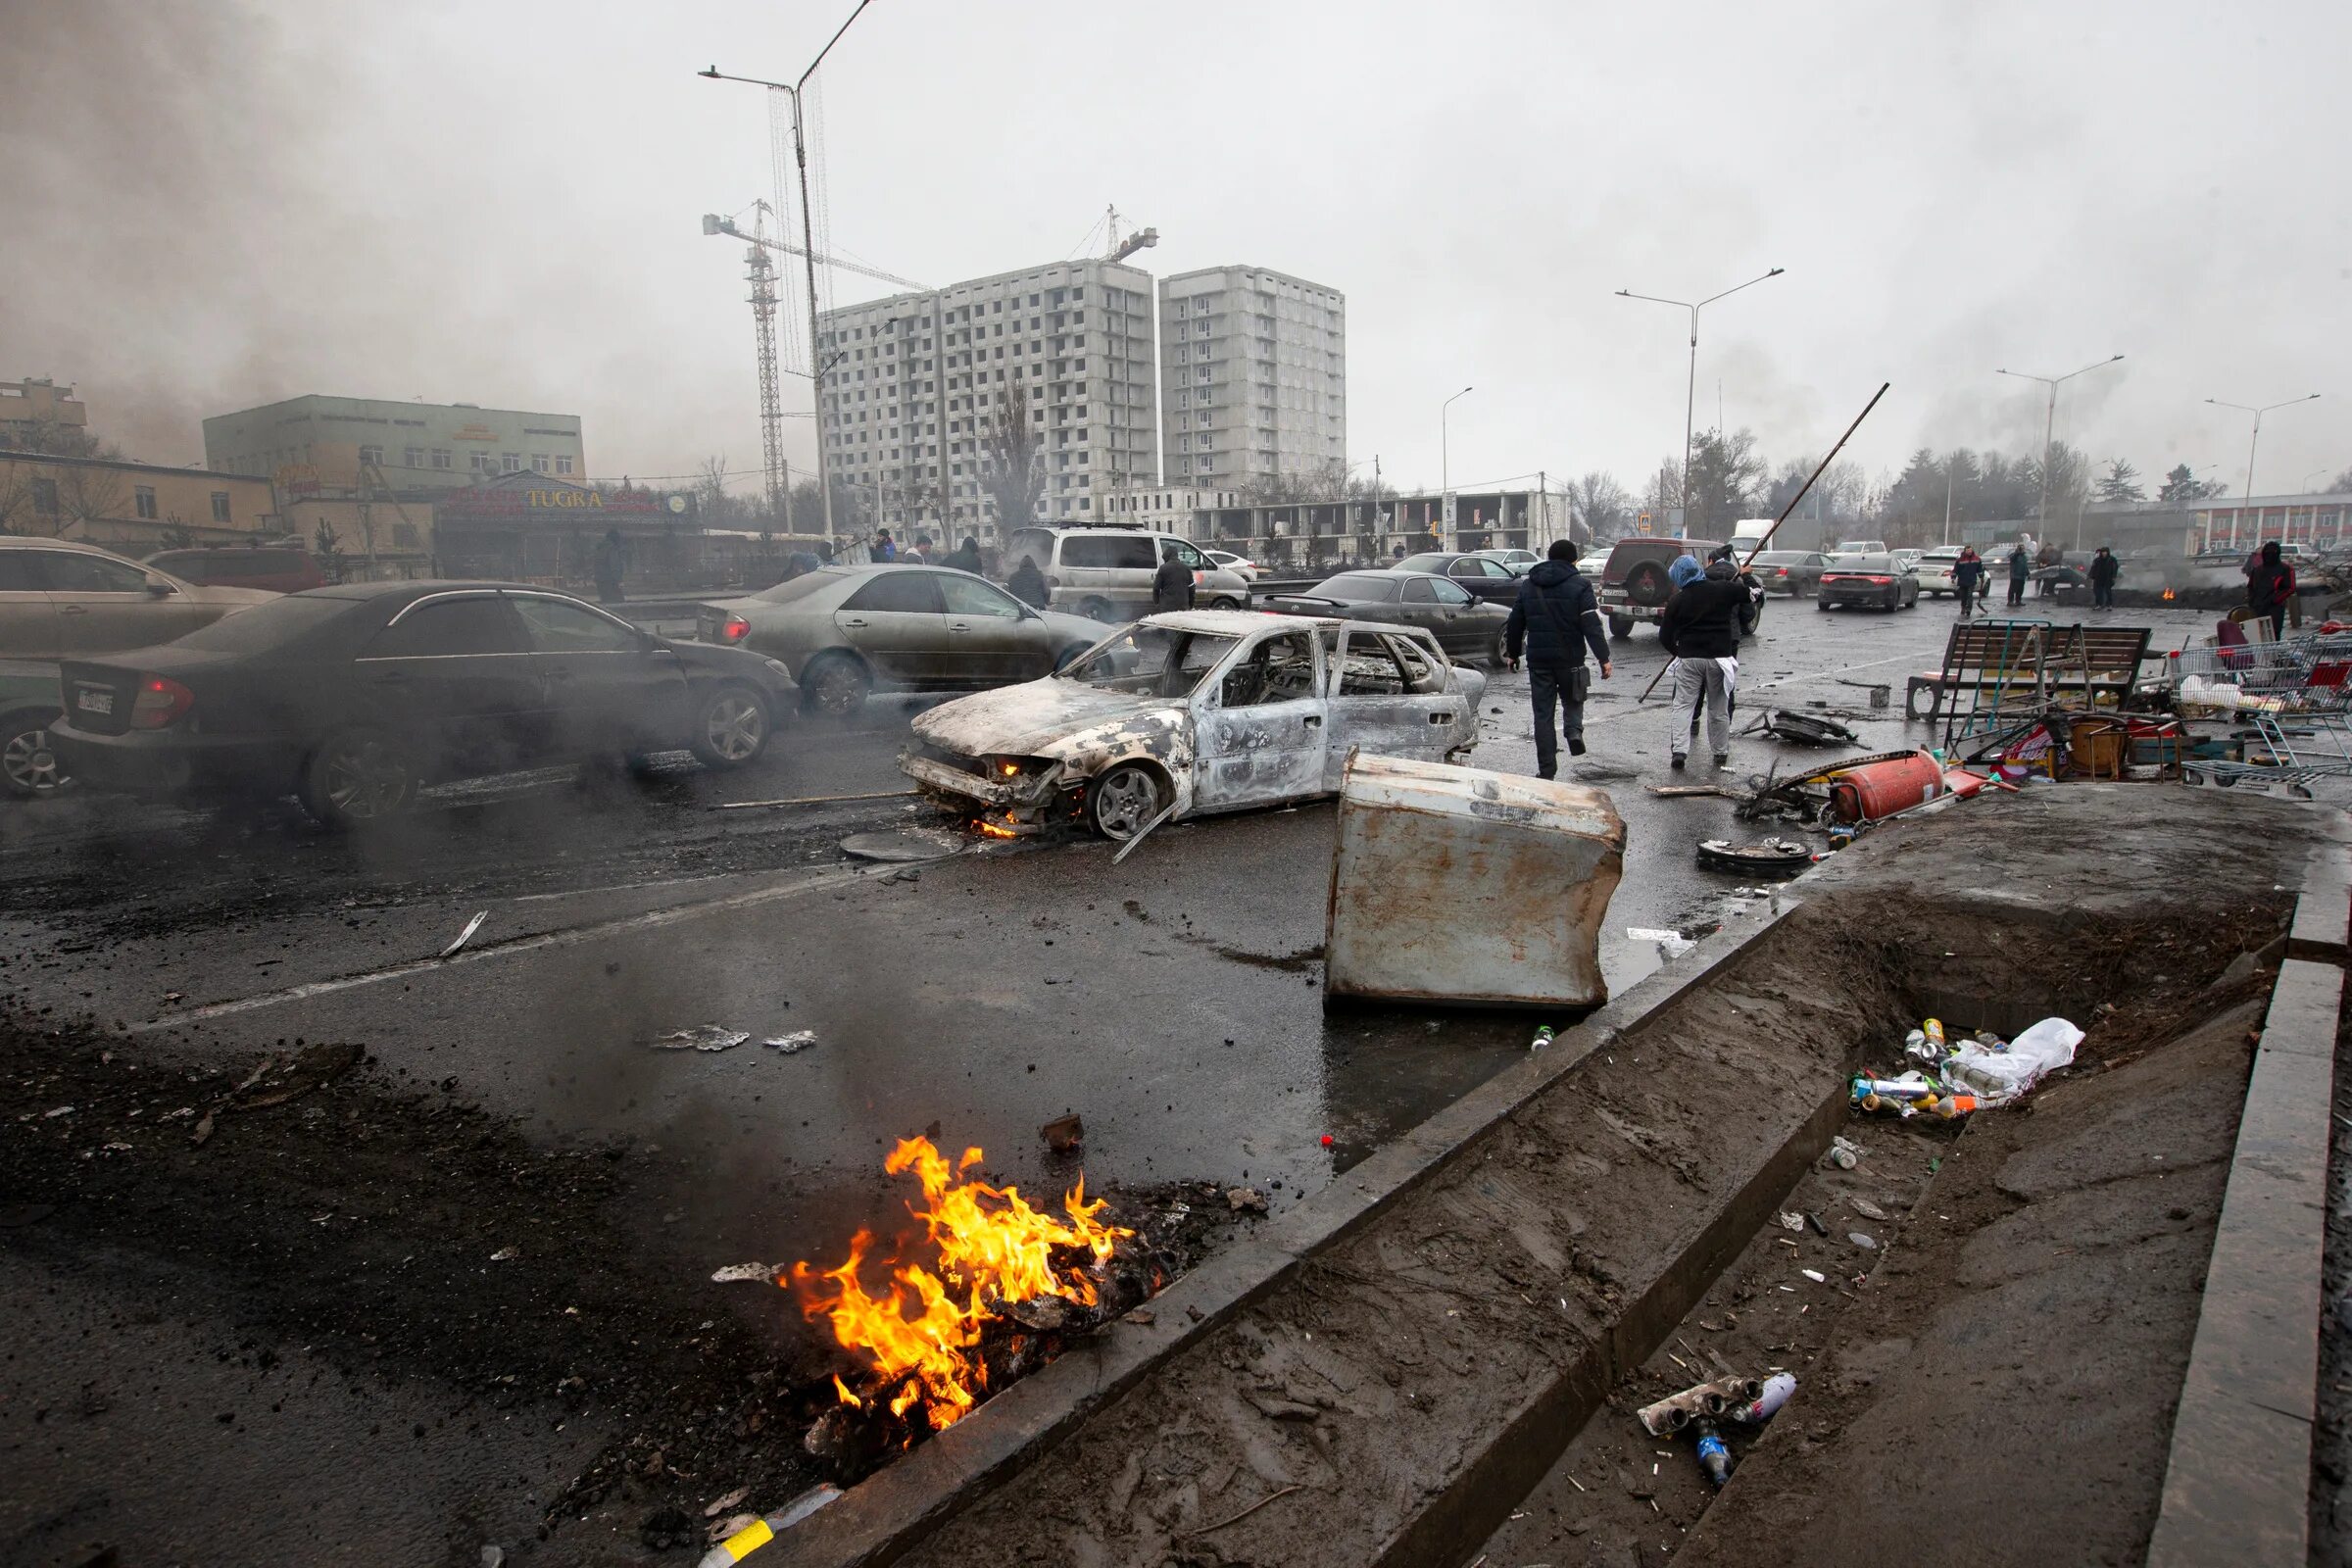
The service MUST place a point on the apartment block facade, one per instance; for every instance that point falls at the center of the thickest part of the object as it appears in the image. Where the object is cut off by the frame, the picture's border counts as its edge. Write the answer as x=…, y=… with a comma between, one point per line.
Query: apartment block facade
x=914, y=384
x=1253, y=376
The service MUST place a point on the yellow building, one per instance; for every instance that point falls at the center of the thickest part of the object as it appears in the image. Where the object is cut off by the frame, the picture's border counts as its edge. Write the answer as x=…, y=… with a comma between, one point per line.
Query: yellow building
x=132, y=508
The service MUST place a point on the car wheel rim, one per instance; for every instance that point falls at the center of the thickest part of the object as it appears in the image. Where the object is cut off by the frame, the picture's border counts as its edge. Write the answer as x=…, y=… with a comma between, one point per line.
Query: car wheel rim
x=29, y=763
x=1124, y=803
x=837, y=689
x=735, y=728
x=365, y=780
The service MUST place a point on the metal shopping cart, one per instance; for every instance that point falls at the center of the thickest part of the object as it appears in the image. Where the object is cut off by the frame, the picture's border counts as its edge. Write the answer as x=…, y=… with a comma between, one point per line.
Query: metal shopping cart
x=2290, y=707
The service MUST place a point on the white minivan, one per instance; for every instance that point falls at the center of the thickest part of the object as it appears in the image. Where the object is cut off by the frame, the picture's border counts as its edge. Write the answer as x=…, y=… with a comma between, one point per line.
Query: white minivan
x=1107, y=572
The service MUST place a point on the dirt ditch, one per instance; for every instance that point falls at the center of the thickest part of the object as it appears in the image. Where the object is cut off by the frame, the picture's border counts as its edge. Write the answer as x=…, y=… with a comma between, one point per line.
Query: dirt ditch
x=297, y=1205
x=1347, y=1416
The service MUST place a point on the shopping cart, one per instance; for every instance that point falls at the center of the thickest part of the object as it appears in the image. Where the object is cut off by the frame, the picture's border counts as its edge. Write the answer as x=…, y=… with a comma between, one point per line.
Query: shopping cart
x=2291, y=707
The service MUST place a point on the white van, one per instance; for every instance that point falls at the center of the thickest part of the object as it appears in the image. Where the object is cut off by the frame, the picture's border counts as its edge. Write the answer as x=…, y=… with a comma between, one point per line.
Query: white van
x=1107, y=572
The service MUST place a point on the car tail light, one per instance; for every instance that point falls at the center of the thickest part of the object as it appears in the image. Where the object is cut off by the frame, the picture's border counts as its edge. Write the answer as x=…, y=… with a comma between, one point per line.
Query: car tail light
x=160, y=701
x=1880, y=581
x=734, y=629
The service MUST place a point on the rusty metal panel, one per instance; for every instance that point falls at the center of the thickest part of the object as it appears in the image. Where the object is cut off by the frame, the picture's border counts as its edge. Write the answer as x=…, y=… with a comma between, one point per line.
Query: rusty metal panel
x=1459, y=885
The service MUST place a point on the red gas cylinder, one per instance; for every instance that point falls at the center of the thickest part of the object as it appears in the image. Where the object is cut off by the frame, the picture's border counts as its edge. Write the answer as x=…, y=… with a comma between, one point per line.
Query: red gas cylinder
x=1881, y=789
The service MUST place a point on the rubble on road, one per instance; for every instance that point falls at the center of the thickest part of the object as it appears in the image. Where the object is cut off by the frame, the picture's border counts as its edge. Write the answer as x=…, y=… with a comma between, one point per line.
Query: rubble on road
x=467, y=935
x=700, y=1037
x=798, y=1040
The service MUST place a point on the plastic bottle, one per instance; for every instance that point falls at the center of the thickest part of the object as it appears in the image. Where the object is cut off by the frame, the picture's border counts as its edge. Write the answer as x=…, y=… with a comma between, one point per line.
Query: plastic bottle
x=1543, y=1037
x=1764, y=1406
x=1713, y=1456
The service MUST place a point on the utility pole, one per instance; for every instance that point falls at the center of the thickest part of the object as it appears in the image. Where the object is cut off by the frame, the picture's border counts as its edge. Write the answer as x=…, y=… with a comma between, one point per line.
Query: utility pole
x=1947, y=500
x=1690, y=389
x=800, y=151
x=1446, y=467
x=2251, y=444
x=2049, y=426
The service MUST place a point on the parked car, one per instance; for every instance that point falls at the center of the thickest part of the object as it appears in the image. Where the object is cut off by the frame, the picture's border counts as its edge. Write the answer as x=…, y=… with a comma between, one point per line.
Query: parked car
x=29, y=764
x=1794, y=572
x=1105, y=573
x=58, y=599
x=1465, y=626
x=1483, y=575
x=1860, y=547
x=1877, y=580
x=1634, y=584
x=1240, y=565
x=352, y=698
x=1935, y=570
x=842, y=631
x=1193, y=712
x=278, y=569
x=1517, y=560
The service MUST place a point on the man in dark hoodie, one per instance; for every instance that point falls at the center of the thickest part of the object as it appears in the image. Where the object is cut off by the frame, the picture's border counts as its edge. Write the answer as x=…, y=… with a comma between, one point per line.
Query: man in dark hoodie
x=1171, y=585
x=1700, y=627
x=2270, y=584
x=1554, y=620
x=965, y=556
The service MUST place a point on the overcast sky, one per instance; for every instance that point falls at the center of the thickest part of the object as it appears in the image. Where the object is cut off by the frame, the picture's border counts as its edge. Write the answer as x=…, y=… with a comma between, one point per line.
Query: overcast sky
x=208, y=204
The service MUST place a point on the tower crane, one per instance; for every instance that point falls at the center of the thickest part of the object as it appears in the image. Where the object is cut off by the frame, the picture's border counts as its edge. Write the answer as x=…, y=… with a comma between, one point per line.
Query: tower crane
x=1120, y=248
x=760, y=273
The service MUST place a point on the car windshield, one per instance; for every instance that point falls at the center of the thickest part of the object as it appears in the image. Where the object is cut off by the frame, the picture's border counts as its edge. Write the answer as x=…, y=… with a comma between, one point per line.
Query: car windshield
x=1152, y=660
x=1355, y=587
x=1427, y=562
x=271, y=624
x=800, y=587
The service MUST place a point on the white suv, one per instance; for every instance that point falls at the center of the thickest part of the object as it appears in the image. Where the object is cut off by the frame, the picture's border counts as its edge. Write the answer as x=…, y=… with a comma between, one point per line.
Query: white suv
x=1107, y=572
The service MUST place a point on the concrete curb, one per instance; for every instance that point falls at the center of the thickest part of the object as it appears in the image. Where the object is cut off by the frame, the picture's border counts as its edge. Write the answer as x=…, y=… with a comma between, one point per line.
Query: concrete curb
x=2237, y=1488
x=888, y=1514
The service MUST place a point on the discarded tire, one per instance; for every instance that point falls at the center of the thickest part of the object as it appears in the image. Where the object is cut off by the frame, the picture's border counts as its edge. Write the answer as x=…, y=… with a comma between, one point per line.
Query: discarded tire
x=1771, y=859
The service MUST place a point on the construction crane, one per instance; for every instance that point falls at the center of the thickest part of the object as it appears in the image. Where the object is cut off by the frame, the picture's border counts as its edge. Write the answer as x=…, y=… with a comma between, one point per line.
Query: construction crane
x=760, y=273
x=1120, y=248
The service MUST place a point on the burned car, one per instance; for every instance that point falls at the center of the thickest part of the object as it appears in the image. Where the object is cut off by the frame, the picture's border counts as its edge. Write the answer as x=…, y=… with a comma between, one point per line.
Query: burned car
x=1199, y=710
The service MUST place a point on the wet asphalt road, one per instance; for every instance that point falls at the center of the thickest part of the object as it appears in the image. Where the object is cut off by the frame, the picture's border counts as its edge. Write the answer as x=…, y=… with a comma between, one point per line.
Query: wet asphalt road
x=1174, y=1002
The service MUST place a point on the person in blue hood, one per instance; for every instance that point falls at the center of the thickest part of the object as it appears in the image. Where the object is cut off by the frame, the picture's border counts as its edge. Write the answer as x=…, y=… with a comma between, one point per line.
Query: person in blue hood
x=1685, y=571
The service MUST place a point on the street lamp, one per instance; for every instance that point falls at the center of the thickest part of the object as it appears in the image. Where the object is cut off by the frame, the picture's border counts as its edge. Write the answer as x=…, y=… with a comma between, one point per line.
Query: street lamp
x=2049, y=423
x=1445, y=460
x=2243, y=408
x=1690, y=393
x=800, y=153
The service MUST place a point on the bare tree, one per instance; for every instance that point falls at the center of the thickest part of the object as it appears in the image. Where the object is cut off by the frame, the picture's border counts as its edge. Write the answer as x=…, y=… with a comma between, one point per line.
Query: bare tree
x=52, y=438
x=1664, y=492
x=1012, y=459
x=15, y=496
x=714, y=507
x=87, y=493
x=1600, y=504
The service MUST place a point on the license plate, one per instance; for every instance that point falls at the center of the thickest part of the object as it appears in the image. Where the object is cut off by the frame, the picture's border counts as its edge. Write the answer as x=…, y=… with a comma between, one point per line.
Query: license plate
x=94, y=700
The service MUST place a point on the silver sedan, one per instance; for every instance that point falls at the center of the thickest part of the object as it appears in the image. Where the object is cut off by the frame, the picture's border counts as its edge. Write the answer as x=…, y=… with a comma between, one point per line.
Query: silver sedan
x=845, y=632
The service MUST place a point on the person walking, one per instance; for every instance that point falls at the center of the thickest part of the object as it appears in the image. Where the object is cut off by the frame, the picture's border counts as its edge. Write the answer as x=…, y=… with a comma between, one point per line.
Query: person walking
x=2269, y=586
x=1967, y=572
x=881, y=550
x=1553, y=620
x=611, y=565
x=2021, y=566
x=1171, y=585
x=2103, y=570
x=1028, y=585
x=1700, y=627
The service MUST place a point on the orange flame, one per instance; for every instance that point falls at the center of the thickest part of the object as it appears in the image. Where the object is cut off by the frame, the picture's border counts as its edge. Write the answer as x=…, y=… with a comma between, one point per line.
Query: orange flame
x=2168, y=594
x=992, y=1249
x=995, y=830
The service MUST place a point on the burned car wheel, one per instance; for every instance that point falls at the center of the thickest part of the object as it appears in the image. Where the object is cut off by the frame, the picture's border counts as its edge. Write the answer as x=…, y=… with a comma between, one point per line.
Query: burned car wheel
x=836, y=685
x=359, y=777
x=29, y=768
x=1120, y=801
x=730, y=728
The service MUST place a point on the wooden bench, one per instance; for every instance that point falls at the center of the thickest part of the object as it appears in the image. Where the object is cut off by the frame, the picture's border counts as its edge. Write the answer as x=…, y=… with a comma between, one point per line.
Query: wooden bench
x=2044, y=659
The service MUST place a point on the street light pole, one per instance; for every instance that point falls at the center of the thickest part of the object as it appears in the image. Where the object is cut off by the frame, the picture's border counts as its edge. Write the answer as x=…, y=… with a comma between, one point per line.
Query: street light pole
x=800, y=153
x=2251, y=444
x=1690, y=389
x=1446, y=462
x=2050, y=431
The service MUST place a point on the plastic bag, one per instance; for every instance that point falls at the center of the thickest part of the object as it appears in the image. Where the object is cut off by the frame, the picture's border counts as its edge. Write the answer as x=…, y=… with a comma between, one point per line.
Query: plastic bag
x=2000, y=1077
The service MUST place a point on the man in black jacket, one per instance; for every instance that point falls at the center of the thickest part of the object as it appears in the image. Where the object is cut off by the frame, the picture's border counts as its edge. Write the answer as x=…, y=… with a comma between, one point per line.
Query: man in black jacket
x=1171, y=585
x=1555, y=620
x=1699, y=626
x=2103, y=570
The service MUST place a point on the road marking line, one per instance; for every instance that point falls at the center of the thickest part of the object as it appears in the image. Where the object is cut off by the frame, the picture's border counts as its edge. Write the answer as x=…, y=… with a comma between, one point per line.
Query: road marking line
x=572, y=937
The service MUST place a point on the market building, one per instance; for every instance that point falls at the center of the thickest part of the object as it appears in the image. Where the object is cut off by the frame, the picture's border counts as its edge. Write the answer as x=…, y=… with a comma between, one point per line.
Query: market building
x=521, y=528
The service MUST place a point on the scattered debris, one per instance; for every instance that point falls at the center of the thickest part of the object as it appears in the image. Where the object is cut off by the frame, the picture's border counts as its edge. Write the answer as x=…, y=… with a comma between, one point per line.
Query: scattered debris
x=1142, y=1317
x=1063, y=1133
x=1868, y=1209
x=722, y=1505
x=1245, y=1199
x=1866, y=1243
x=2000, y=1076
x=1768, y=1401
x=506, y=1254
x=1815, y=1275
x=1773, y=858
x=740, y=1543
x=701, y=1037
x=744, y=1273
x=904, y=845
x=1844, y=1154
x=1700, y=1401
x=467, y=935
x=1804, y=729
x=1713, y=1457
x=1673, y=944
x=1792, y=1220
x=798, y=1040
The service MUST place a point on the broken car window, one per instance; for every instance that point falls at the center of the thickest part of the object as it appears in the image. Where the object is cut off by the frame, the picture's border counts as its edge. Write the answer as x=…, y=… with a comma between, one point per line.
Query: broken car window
x=1150, y=660
x=1420, y=671
x=1279, y=669
x=1368, y=669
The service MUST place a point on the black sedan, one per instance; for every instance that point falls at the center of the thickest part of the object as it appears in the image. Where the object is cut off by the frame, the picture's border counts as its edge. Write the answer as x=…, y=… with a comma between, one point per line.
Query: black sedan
x=1483, y=575
x=1465, y=627
x=1879, y=582
x=352, y=697
x=1794, y=572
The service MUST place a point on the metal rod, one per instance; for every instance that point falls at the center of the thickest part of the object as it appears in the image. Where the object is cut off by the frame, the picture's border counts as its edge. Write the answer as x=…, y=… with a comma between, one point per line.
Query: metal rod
x=1817, y=473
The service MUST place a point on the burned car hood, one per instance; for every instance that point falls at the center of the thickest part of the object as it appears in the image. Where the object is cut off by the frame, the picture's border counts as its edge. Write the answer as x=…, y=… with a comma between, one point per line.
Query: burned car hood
x=1036, y=719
